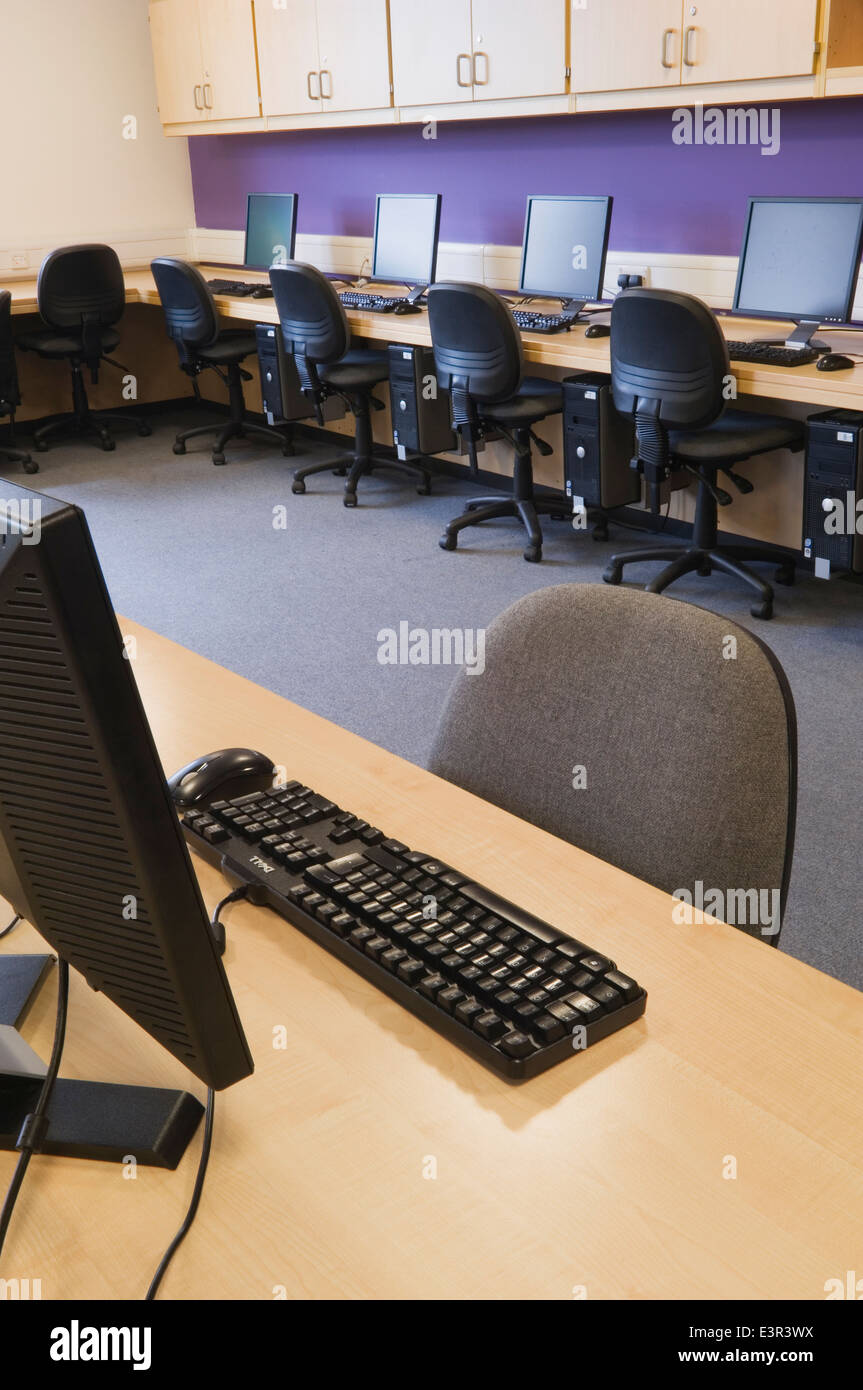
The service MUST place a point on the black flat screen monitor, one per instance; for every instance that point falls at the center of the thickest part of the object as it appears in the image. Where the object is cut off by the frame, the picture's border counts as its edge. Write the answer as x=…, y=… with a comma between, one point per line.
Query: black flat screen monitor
x=407, y=229
x=564, y=247
x=271, y=229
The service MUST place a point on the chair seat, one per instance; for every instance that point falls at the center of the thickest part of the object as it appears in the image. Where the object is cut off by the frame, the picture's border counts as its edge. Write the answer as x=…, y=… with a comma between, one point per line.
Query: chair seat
x=736, y=435
x=358, y=368
x=536, y=398
x=231, y=346
x=49, y=343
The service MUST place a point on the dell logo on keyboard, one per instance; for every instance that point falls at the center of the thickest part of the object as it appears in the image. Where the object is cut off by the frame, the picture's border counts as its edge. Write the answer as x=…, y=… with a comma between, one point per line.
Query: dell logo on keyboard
x=260, y=864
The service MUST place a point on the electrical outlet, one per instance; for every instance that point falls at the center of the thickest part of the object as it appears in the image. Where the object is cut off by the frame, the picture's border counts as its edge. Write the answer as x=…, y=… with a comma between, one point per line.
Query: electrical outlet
x=613, y=269
x=20, y=260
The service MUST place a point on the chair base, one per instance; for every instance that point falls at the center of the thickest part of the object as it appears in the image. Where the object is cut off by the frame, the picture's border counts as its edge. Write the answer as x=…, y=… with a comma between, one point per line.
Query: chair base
x=730, y=560
x=28, y=464
x=88, y=424
x=527, y=510
x=358, y=466
x=235, y=429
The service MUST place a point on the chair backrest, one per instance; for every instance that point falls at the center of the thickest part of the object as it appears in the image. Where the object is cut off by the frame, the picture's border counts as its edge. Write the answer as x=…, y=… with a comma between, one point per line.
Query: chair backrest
x=10, y=396
x=477, y=346
x=81, y=285
x=187, y=300
x=682, y=722
x=312, y=317
x=669, y=358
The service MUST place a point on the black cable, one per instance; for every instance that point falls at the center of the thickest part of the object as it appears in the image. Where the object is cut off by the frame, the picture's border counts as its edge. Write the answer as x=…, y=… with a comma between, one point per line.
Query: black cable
x=216, y=926
x=35, y=1126
x=195, y=1202
x=11, y=927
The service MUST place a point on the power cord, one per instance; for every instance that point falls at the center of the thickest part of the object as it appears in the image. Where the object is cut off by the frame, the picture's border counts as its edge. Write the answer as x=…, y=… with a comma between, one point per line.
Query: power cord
x=216, y=925
x=11, y=927
x=195, y=1202
x=35, y=1126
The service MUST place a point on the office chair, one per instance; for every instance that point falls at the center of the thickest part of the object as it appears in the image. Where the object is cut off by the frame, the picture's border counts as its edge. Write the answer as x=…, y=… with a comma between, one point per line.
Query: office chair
x=669, y=368
x=480, y=361
x=317, y=336
x=687, y=762
x=10, y=396
x=193, y=322
x=81, y=294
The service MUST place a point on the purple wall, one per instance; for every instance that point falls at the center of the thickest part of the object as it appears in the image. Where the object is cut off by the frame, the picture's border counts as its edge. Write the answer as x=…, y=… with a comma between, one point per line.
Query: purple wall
x=667, y=197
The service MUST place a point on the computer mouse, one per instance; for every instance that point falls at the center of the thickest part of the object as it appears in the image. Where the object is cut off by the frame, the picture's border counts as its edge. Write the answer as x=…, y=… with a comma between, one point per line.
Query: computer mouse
x=834, y=362
x=229, y=771
x=406, y=308
x=263, y=292
x=597, y=330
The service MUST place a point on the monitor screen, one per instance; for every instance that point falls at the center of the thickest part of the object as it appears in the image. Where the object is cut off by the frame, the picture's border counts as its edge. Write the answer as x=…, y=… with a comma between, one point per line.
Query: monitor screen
x=564, y=247
x=800, y=258
x=407, y=226
x=271, y=229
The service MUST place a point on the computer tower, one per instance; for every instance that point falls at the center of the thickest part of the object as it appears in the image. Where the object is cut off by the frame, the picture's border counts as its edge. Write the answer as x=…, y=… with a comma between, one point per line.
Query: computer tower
x=834, y=486
x=598, y=445
x=281, y=396
x=420, y=410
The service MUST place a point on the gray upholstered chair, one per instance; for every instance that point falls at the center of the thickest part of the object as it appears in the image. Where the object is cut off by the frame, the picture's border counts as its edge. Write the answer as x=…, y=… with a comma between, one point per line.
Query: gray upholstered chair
x=683, y=722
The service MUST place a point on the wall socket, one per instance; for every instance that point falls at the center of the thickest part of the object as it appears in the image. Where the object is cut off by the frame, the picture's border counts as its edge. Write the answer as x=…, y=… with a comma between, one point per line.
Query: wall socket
x=20, y=260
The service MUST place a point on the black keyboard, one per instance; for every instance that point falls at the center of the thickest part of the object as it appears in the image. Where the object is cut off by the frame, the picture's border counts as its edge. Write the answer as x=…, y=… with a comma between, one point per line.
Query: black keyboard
x=237, y=287
x=772, y=355
x=506, y=987
x=379, y=303
x=529, y=322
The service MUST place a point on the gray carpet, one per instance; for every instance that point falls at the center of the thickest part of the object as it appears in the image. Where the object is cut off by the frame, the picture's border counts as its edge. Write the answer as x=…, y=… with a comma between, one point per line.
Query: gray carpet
x=191, y=551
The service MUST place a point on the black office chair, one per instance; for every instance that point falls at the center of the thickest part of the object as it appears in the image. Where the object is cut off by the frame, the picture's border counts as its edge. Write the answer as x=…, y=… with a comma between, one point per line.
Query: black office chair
x=479, y=360
x=81, y=294
x=669, y=367
x=193, y=322
x=10, y=396
x=317, y=335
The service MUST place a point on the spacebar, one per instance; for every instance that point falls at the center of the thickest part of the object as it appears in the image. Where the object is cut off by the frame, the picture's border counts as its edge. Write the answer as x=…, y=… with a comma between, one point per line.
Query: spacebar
x=525, y=921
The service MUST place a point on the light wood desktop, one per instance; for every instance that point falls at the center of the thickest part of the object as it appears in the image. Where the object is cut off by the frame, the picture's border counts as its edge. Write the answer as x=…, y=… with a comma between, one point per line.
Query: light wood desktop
x=713, y=1149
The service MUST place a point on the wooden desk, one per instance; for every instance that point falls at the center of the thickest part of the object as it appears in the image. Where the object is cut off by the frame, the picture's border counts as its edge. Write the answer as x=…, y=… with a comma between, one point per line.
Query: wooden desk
x=570, y=352
x=606, y=1172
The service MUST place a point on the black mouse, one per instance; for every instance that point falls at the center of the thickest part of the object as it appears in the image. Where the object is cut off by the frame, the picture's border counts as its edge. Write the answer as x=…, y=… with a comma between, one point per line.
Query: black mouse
x=597, y=330
x=834, y=362
x=262, y=292
x=405, y=307
x=230, y=771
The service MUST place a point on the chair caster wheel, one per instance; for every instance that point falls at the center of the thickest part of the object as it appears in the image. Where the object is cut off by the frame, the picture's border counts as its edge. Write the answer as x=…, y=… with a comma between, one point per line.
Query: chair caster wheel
x=30, y=465
x=424, y=490
x=109, y=445
x=600, y=531
x=288, y=451
x=340, y=472
x=447, y=542
x=218, y=459
x=762, y=610
x=533, y=554
x=144, y=430
x=785, y=575
x=179, y=448
x=349, y=499
x=612, y=574
x=298, y=486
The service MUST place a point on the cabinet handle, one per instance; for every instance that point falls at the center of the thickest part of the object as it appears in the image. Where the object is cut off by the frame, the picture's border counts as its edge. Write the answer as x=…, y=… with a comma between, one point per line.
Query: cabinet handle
x=208, y=104
x=666, y=35
x=476, y=77
x=313, y=96
x=689, y=61
x=460, y=58
x=325, y=73
x=196, y=94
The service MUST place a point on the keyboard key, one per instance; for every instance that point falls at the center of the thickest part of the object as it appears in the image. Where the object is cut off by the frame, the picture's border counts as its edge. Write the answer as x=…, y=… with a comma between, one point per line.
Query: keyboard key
x=393, y=957
x=517, y=1045
x=376, y=946
x=448, y=998
x=597, y=965
x=430, y=985
x=605, y=995
x=411, y=970
x=360, y=935
x=489, y=1025
x=628, y=988
x=548, y=1028
x=467, y=1011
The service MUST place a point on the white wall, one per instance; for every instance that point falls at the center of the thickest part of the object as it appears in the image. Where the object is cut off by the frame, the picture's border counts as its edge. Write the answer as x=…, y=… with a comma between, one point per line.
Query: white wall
x=70, y=71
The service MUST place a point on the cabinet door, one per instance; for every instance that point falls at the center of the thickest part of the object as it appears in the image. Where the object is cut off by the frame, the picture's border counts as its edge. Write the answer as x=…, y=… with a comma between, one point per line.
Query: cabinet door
x=230, y=67
x=427, y=67
x=731, y=40
x=176, y=41
x=618, y=45
x=353, y=43
x=288, y=55
x=519, y=49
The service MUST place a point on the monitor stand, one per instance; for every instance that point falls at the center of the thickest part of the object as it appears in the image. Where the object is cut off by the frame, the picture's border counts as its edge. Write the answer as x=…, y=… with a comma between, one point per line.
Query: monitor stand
x=572, y=308
x=415, y=295
x=801, y=337
x=86, y=1119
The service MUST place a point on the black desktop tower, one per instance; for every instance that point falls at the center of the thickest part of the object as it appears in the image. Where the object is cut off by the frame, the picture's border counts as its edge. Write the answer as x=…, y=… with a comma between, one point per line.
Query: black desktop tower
x=834, y=486
x=281, y=395
x=420, y=410
x=598, y=445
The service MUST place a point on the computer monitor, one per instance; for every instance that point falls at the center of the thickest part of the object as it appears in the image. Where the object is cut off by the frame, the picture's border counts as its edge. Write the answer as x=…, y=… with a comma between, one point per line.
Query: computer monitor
x=799, y=261
x=564, y=249
x=271, y=229
x=91, y=850
x=407, y=229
